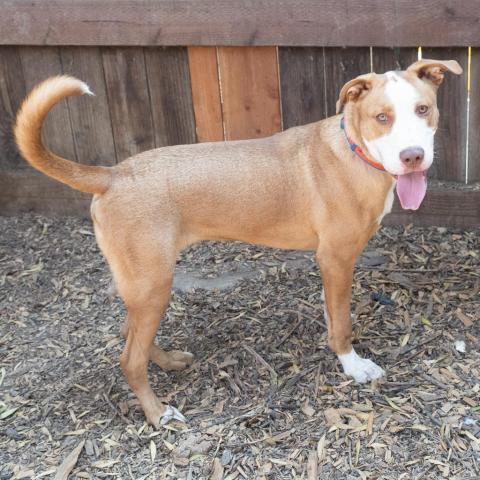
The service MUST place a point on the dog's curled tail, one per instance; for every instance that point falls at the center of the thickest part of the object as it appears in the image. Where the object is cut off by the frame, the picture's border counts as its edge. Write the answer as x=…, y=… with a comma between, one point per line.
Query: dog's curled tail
x=28, y=135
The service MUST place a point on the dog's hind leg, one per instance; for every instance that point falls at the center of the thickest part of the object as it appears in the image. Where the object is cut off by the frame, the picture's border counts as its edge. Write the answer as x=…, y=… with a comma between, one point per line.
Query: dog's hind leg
x=143, y=272
x=166, y=360
x=146, y=300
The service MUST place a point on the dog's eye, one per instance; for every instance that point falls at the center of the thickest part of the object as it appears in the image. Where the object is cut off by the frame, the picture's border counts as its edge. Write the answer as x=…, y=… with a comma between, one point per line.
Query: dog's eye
x=382, y=118
x=422, y=110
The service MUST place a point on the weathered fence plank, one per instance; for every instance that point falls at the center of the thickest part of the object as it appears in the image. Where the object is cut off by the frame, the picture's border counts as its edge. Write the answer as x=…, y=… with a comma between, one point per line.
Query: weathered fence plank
x=237, y=22
x=249, y=82
x=474, y=123
x=38, y=64
x=302, y=85
x=386, y=59
x=89, y=116
x=128, y=100
x=451, y=136
x=12, y=93
x=341, y=65
x=24, y=189
x=442, y=206
x=170, y=95
x=31, y=191
x=207, y=103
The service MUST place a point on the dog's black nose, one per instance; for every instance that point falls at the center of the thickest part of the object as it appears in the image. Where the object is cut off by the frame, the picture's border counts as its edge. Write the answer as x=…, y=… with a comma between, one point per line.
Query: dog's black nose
x=412, y=156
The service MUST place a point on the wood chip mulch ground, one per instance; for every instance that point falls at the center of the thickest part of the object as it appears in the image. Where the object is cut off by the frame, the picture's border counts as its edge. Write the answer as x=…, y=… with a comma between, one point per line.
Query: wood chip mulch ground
x=265, y=398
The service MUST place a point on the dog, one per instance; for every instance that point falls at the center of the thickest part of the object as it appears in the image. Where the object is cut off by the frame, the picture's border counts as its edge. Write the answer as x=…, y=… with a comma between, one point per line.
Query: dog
x=324, y=186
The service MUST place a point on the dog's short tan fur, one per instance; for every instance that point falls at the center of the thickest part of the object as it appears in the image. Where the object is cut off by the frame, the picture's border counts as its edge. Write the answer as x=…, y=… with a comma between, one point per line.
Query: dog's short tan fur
x=300, y=189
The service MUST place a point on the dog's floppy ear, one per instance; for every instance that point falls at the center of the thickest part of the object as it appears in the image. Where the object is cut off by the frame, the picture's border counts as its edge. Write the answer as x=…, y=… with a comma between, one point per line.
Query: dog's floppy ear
x=434, y=70
x=353, y=90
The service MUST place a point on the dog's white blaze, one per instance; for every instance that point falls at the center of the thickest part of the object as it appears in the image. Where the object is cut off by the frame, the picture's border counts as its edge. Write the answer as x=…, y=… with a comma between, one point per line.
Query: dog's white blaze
x=388, y=203
x=408, y=129
x=361, y=369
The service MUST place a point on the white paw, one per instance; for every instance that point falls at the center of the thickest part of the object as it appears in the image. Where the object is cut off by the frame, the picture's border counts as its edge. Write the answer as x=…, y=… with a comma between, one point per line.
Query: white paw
x=171, y=413
x=361, y=369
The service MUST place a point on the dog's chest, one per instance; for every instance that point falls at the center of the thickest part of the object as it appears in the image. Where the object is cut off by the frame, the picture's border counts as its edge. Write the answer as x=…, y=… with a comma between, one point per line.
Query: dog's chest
x=387, y=207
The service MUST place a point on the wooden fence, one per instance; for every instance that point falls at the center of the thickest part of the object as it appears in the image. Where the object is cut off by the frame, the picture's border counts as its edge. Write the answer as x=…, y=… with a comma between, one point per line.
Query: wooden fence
x=250, y=69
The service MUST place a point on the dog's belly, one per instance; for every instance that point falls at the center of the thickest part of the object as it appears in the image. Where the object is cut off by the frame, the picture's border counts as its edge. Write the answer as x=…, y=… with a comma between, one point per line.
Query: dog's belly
x=291, y=237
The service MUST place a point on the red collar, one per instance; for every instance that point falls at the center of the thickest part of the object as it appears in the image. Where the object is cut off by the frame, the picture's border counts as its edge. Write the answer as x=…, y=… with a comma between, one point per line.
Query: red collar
x=356, y=149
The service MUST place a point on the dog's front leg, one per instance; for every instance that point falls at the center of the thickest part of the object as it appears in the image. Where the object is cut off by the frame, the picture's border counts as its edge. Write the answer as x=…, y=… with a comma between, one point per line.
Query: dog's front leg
x=337, y=274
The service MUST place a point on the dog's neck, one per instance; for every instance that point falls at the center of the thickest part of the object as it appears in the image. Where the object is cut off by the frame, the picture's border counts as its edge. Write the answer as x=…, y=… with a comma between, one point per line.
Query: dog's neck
x=352, y=127
x=369, y=186
x=355, y=148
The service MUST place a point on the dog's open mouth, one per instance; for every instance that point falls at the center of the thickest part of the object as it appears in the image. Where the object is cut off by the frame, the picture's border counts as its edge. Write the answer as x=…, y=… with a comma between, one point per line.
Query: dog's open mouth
x=411, y=189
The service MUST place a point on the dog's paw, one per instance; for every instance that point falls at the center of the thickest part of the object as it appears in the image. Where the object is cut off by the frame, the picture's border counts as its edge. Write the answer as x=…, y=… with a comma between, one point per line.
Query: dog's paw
x=361, y=369
x=173, y=360
x=179, y=360
x=171, y=413
x=160, y=414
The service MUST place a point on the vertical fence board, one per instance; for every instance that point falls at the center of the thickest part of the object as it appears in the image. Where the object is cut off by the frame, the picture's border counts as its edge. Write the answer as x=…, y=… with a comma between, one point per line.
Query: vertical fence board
x=451, y=136
x=128, y=100
x=474, y=123
x=26, y=189
x=386, y=59
x=341, y=65
x=90, y=118
x=12, y=93
x=170, y=95
x=206, y=93
x=302, y=85
x=250, y=91
x=38, y=64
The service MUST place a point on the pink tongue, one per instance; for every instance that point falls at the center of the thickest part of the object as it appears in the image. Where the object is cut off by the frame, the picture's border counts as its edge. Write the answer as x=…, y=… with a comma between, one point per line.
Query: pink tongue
x=411, y=189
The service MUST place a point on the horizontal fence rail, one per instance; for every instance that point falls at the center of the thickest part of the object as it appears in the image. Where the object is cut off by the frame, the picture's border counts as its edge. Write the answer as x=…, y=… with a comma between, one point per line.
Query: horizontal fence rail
x=400, y=23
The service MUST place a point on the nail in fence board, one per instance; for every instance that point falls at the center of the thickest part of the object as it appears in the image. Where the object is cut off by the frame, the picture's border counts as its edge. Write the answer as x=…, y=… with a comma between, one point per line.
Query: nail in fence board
x=128, y=100
x=12, y=93
x=474, y=124
x=89, y=115
x=170, y=95
x=206, y=93
x=341, y=65
x=250, y=94
x=302, y=85
x=451, y=136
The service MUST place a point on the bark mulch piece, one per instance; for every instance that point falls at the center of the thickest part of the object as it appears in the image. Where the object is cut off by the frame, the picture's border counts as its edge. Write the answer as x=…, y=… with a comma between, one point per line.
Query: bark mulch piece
x=265, y=397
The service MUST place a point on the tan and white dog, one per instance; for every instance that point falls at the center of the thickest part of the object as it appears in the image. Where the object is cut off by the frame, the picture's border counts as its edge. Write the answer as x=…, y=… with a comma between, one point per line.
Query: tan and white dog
x=323, y=186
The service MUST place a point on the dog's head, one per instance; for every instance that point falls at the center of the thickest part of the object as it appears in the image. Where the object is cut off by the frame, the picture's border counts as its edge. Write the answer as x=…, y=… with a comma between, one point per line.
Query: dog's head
x=395, y=116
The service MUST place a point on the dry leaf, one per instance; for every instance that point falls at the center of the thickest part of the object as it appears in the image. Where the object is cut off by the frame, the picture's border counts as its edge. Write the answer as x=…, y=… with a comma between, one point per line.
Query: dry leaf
x=307, y=409
x=466, y=320
x=332, y=416
x=104, y=463
x=69, y=463
x=153, y=450
x=312, y=465
x=217, y=473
